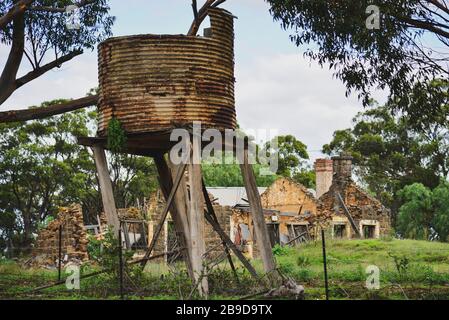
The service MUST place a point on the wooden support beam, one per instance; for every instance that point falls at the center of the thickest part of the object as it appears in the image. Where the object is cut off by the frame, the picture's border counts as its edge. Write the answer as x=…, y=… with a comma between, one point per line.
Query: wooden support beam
x=181, y=197
x=107, y=194
x=213, y=221
x=349, y=216
x=178, y=208
x=196, y=216
x=168, y=205
x=260, y=227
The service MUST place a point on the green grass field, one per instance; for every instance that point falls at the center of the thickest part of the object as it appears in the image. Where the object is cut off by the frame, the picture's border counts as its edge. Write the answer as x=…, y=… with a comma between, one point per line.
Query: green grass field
x=408, y=270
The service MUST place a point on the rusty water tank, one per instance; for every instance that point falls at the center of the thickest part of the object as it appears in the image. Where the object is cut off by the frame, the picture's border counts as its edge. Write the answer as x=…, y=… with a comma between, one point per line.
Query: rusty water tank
x=159, y=82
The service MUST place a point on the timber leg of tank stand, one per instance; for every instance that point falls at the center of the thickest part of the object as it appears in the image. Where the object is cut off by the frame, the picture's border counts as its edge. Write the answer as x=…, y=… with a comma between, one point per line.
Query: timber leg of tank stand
x=178, y=208
x=107, y=194
x=260, y=227
x=196, y=216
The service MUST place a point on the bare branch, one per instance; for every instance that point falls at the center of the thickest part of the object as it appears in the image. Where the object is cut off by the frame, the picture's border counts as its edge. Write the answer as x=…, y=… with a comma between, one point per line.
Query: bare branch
x=439, y=5
x=45, y=68
x=195, y=10
x=216, y=4
x=40, y=113
x=423, y=25
x=202, y=14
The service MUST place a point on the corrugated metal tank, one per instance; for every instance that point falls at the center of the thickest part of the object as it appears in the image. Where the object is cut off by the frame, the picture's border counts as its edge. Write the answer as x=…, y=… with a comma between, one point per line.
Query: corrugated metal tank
x=159, y=82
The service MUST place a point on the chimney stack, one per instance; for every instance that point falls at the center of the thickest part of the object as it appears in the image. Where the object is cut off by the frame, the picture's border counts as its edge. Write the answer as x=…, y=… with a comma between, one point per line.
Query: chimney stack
x=342, y=168
x=323, y=172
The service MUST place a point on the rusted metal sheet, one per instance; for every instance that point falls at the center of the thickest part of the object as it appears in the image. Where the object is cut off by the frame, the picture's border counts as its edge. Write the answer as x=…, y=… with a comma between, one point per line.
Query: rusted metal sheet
x=158, y=82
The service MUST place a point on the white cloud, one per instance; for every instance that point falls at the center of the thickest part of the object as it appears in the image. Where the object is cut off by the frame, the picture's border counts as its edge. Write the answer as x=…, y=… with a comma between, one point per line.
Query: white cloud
x=73, y=80
x=287, y=93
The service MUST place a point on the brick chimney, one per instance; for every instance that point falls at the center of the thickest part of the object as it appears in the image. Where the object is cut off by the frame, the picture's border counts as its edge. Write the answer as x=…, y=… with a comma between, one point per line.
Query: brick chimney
x=342, y=168
x=323, y=172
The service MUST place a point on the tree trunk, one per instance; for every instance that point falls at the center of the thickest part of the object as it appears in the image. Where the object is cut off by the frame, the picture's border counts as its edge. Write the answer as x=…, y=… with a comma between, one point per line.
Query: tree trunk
x=9, y=74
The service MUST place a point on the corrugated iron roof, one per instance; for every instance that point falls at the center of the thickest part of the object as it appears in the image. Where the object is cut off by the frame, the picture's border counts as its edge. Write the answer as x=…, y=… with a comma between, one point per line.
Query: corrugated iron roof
x=231, y=196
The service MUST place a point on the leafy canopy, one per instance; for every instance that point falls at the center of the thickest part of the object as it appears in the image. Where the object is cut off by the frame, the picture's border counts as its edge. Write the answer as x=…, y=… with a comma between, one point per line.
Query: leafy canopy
x=424, y=214
x=410, y=46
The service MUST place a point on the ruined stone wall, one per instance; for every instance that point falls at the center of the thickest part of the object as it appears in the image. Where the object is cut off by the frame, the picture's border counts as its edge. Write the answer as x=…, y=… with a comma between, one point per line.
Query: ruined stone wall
x=212, y=238
x=285, y=195
x=74, y=239
x=360, y=204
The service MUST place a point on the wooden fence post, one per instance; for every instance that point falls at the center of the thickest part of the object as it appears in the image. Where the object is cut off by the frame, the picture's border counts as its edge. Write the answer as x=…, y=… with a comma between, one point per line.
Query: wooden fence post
x=326, y=284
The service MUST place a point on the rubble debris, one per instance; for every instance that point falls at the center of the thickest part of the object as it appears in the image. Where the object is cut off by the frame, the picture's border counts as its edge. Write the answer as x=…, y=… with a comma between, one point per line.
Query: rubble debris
x=288, y=289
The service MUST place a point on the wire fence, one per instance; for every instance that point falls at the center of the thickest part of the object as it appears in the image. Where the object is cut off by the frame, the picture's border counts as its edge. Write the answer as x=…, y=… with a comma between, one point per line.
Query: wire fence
x=120, y=280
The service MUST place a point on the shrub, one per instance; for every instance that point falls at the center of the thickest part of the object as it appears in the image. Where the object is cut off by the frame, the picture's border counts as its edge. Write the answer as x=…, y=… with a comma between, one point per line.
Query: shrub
x=106, y=251
x=303, y=261
x=282, y=250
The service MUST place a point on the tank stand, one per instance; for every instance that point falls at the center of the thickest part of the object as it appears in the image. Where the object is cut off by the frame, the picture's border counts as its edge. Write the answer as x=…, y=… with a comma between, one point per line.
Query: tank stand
x=188, y=202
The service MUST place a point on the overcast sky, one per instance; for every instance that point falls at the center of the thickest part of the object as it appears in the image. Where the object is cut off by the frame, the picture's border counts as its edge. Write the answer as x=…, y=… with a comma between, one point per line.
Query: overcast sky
x=276, y=87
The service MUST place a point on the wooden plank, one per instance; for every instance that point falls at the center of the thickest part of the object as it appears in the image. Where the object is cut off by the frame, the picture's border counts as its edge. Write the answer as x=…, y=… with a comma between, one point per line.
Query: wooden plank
x=178, y=208
x=217, y=228
x=153, y=143
x=196, y=216
x=349, y=216
x=107, y=194
x=227, y=242
x=165, y=212
x=126, y=234
x=182, y=197
x=260, y=227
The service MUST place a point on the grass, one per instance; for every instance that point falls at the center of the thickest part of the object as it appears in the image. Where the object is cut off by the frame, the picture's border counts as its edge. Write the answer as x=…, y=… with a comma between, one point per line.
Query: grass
x=408, y=270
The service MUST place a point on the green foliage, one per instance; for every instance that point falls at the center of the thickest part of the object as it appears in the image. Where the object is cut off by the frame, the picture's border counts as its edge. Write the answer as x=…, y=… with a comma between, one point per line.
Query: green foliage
x=116, y=135
x=306, y=177
x=105, y=252
x=440, y=222
x=50, y=27
x=43, y=224
x=415, y=214
x=279, y=250
x=395, y=56
x=291, y=154
x=303, y=261
x=228, y=174
x=424, y=213
x=401, y=262
x=42, y=167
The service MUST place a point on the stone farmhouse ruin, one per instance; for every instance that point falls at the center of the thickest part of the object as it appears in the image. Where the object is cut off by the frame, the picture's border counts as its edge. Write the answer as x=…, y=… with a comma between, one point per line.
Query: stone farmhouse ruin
x=293, y=214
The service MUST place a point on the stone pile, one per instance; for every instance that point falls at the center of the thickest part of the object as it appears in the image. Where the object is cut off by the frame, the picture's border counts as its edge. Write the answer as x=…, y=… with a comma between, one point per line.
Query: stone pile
x=74, y=240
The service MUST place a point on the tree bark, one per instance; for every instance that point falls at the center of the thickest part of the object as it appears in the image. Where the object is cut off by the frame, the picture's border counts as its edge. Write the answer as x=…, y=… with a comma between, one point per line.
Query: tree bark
x=18, y=9
x=40, y=113
x=9, y=74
